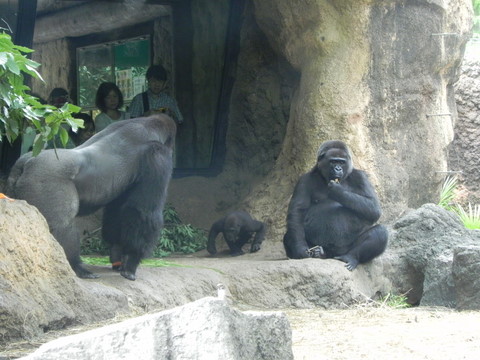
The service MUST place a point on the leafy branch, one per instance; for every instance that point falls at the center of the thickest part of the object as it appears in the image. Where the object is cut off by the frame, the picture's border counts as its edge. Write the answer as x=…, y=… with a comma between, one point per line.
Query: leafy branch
x=20, y=112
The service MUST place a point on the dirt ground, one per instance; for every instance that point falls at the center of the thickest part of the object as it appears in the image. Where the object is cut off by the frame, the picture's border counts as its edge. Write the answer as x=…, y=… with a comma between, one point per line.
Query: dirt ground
x=383, y=333
x=360, y=333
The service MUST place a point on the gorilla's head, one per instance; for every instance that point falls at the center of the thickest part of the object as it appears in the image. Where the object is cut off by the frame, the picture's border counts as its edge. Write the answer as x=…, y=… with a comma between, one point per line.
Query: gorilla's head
x=231, y=228
x=334, y=161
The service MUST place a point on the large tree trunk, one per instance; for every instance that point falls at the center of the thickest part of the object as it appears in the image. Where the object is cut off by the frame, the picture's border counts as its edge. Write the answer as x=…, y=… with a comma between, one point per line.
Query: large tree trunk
x=375, y=74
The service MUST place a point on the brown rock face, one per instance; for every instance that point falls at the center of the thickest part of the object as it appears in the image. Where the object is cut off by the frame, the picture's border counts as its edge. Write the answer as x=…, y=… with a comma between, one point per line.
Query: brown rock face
x=39, y=290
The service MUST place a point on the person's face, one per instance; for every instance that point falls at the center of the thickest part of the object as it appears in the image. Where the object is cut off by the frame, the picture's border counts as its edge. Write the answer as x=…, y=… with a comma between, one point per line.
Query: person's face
x=59, y=101
x=156, y=86
x=111, y=100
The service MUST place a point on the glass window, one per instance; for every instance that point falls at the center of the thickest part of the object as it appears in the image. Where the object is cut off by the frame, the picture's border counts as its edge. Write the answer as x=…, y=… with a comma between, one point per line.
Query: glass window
x=122, y=62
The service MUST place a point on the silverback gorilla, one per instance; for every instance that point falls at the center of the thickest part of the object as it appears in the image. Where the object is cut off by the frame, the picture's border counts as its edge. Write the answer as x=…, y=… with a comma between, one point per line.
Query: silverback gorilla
x=237, y=228
x=125, y=168
x=333, y=210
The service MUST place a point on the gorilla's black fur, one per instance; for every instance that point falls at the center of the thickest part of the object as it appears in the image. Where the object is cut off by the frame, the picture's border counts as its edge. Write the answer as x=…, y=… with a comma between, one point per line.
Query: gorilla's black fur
x=237, y=228
x=335, y=207
x=132, y=222
x=125, y=168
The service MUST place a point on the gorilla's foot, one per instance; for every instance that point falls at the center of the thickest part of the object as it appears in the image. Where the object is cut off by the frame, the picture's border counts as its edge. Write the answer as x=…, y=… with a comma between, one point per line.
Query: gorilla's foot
x=237, y=253
x=84, y=273
x=212, y=250
x=128, y=275
x=351, y=261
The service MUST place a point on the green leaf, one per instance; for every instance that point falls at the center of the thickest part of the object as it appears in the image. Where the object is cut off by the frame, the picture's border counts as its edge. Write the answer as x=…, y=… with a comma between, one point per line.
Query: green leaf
x=12, y=65
x=3, y=58
x=38, y=146
x=23, y=49
x=63, y=136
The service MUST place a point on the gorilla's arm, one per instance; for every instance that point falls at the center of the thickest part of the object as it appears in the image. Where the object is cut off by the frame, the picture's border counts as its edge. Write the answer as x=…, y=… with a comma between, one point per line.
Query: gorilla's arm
x=294, y=239
x=259, y=228
x=216, y=228
x=357, y=194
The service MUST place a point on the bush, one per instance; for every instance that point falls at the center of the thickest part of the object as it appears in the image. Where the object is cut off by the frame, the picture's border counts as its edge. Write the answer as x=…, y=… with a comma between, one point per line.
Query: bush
x=176, y=237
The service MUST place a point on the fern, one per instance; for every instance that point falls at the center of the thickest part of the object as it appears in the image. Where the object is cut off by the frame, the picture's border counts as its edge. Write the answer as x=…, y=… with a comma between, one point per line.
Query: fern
x=447, y=194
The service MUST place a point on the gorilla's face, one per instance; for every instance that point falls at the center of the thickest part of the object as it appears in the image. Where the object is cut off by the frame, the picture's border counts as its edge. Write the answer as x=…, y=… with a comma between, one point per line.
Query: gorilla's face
x=334, y=164
x=232, y=229
x=230, y=235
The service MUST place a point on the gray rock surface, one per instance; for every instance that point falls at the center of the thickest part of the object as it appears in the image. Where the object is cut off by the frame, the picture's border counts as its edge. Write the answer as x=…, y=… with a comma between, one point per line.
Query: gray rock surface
x=420, y=254
x=464, y=151
x=466, y=270
x=206, y=329
x=40, y=292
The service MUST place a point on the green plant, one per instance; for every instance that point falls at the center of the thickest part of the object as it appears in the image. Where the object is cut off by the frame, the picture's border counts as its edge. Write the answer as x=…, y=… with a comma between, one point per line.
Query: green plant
x=22, y=112
x=470, y=217
x=105, y=261
x=395, y=301
x=447, y=193
x=176, y=237
x=93, y=244
x=476, y=17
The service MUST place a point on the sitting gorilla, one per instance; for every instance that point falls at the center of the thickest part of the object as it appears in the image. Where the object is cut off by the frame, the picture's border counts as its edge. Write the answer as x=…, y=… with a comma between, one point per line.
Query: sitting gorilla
x=125, y=168
x=237, y=228
x=333, y=210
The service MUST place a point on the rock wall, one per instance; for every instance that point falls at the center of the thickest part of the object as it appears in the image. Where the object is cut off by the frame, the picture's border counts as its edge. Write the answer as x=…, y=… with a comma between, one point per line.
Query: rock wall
x=375, y=74
x=417, y=48
x=464, y=151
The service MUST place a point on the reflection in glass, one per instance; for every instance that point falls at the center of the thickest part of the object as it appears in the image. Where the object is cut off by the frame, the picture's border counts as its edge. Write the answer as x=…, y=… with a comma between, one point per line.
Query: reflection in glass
x=124, y=63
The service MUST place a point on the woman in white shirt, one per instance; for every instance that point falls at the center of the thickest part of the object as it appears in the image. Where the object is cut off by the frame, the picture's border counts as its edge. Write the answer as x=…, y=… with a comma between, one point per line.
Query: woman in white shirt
x=109, y=99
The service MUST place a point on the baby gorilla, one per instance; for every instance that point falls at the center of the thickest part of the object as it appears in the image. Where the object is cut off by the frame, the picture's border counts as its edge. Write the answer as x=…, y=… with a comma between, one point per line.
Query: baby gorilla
x=237, y=228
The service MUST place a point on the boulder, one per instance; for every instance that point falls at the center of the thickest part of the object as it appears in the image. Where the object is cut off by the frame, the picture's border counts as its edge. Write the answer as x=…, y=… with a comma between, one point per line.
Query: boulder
x=38, y=289
x=205, y=329
x=420, y=254
x=466, y=270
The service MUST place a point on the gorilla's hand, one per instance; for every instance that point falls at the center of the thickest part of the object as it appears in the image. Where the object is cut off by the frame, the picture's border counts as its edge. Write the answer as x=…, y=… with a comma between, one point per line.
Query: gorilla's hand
x=255, y=248
x=211, y=248
x=335, y=189
x=317, y=252
x=332, y=184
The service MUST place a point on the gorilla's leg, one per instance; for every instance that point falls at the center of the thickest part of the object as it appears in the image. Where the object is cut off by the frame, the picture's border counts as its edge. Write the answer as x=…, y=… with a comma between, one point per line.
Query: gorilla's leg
x=111, y=232
x=57, y=199
x=233, y=243
x=69, y=238
x=235, y=250
x=132, y=260
x=116, y=257
x=140, y=247
x=369, y=245
x=243, y=238
x=295, y=249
